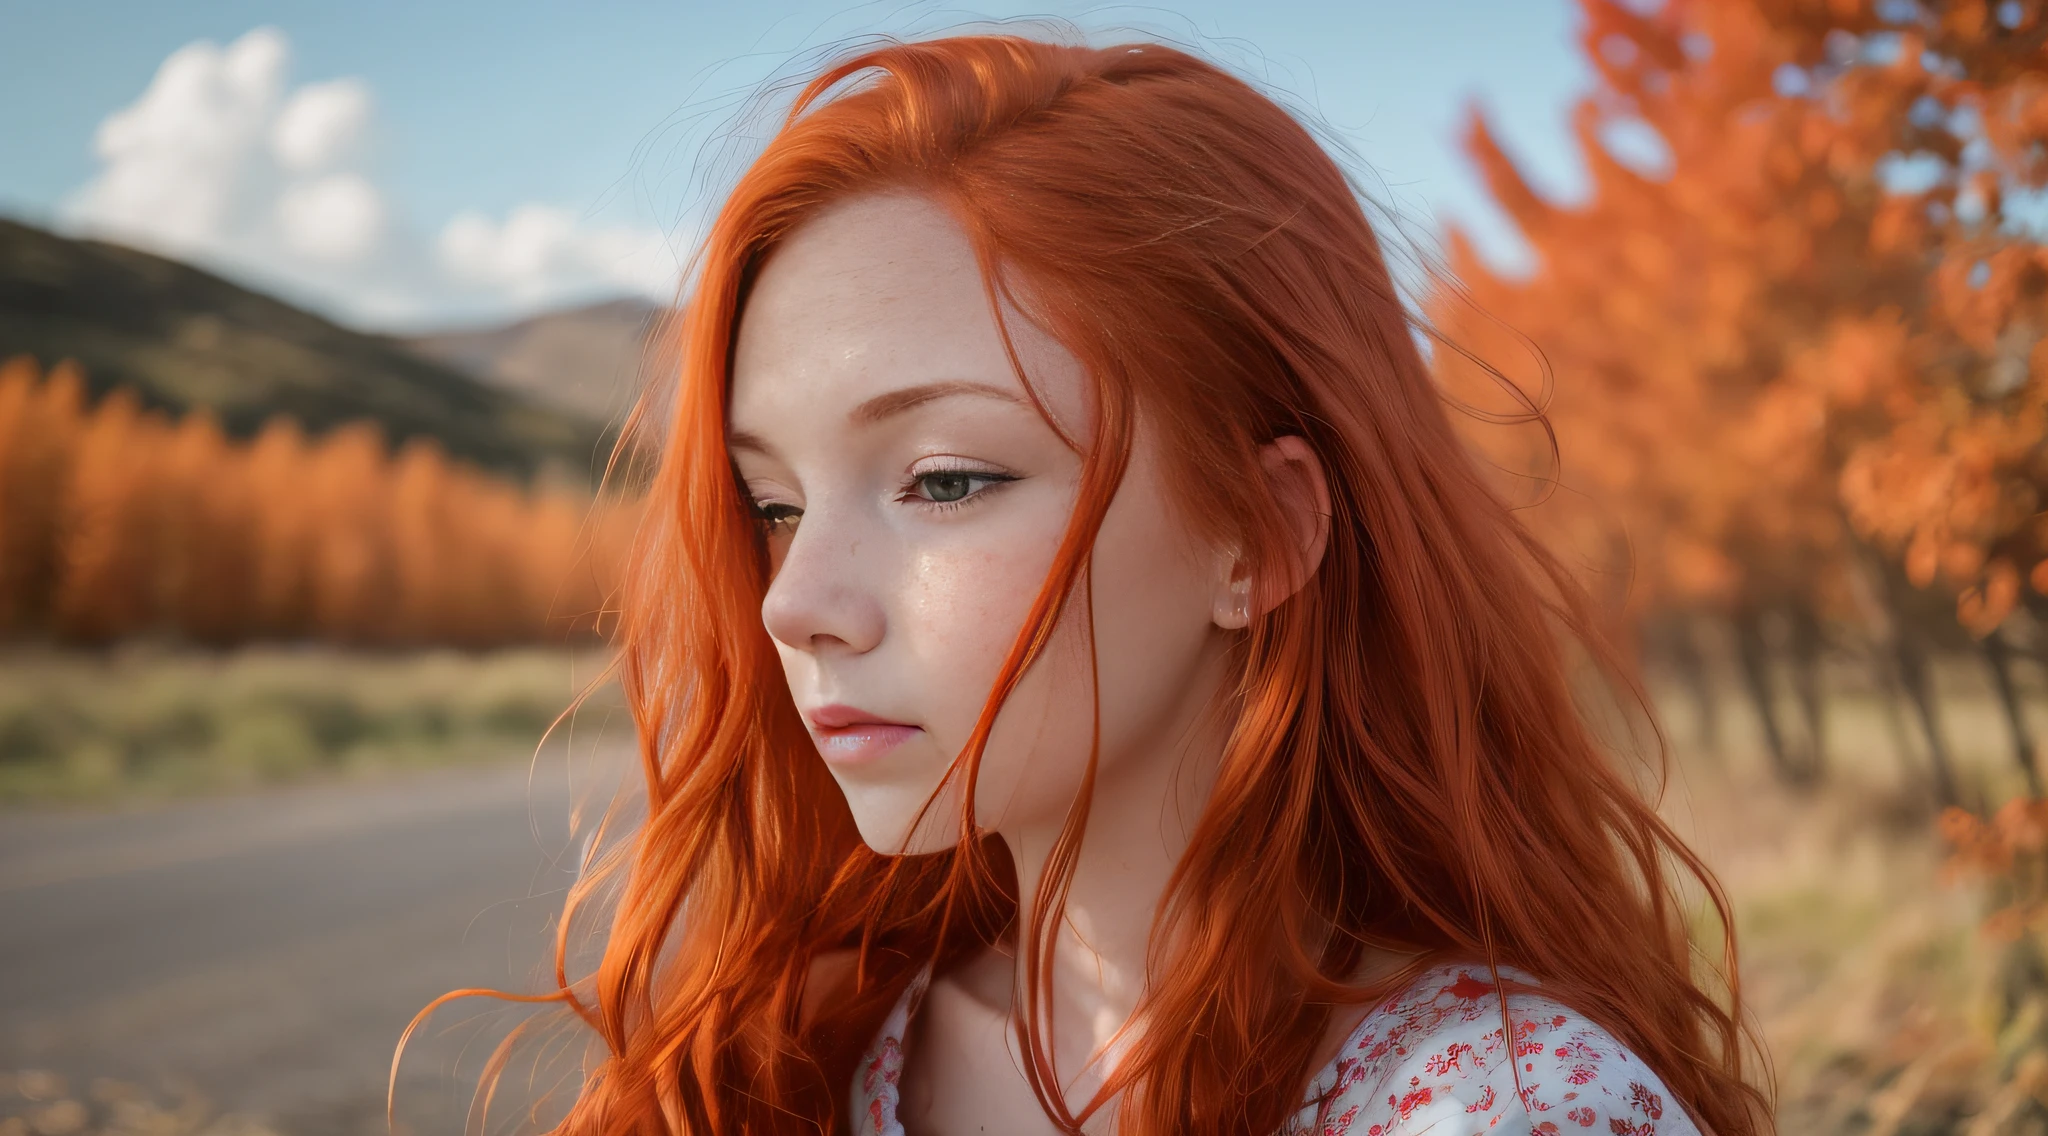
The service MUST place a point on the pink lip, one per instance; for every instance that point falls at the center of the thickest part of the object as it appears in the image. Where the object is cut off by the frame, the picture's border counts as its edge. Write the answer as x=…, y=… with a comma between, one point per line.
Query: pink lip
x=847, y=735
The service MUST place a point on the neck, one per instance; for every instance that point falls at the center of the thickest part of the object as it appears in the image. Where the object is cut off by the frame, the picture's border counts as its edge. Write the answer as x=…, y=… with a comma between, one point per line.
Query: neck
x=1144, y=807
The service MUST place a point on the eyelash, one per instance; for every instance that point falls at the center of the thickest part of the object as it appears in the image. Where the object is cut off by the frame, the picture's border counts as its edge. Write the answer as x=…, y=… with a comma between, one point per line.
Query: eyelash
x=991, y=477
x=907, y=493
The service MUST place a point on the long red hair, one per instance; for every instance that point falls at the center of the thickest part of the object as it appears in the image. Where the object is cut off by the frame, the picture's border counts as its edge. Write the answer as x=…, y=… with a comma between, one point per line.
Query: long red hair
x=1408, y=768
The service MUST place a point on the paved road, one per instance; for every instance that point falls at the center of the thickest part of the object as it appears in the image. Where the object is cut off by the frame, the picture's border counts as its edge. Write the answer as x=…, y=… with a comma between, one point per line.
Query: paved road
x=269, y=948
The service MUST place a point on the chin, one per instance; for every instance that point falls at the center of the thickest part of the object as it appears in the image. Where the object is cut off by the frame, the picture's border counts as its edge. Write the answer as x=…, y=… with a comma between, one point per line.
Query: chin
x=884, y=818
x=886, y=844
x=889, y=840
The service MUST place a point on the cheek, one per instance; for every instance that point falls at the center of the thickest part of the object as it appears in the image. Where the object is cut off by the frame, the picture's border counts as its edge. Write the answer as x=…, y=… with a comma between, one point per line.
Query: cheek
x=1153, y=619
x=963, y=607
x=956, y=598
x=1152, y=607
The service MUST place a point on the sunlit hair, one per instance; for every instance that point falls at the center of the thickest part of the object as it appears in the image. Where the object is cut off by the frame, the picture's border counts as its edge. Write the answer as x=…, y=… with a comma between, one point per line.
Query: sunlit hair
x=1407, y=770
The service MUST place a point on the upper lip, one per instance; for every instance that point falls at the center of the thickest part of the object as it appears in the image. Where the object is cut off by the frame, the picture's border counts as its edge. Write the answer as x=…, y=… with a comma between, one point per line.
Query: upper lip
x=836, y=716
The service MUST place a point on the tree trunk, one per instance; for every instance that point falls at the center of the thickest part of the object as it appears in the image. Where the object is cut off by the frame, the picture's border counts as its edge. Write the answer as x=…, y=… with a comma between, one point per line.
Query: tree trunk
x=1890, y=692
x=1920, y=688
x=1998, y=655
x=1806, y=644
x=1754, y=654
x=1869, y=588
x=1692, y=669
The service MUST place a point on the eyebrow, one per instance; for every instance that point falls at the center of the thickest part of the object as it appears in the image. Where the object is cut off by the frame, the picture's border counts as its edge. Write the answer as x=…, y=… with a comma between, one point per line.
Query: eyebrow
x=891, y=403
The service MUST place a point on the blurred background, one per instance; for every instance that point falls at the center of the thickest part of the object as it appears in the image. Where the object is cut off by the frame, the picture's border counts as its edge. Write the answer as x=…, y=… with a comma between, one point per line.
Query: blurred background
x=317, y=323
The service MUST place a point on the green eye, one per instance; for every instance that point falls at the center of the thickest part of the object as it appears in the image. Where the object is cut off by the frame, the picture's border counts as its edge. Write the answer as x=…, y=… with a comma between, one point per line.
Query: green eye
x=946, y=486
x=952, y=486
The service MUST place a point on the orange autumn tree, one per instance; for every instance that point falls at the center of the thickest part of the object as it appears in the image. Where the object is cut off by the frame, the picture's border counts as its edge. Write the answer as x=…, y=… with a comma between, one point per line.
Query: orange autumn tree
x=117, y=521
x=39, y=424
x=1792, y=331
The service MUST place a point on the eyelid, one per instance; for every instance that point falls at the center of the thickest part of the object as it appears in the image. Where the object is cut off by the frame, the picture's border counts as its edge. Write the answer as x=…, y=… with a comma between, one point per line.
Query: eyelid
x=765, y=491
x=954, y=464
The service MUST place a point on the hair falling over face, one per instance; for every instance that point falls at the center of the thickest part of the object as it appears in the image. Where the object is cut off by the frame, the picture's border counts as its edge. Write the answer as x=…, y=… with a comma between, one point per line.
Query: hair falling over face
x=1408, y=768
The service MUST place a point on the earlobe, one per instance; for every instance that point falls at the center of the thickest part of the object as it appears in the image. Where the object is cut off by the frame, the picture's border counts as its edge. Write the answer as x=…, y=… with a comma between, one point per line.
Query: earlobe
x=1234, y=599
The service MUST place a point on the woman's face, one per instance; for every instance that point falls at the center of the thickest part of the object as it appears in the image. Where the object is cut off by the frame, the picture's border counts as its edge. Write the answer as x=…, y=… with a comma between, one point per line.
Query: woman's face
x=913, y=500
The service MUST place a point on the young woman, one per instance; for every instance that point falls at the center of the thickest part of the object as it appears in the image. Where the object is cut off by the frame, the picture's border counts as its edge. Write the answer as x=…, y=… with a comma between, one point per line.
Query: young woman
x=1083, y=684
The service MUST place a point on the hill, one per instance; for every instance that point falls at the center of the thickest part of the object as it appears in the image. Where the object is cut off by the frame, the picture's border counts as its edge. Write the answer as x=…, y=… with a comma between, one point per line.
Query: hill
x=583, y=360
x=184, y=338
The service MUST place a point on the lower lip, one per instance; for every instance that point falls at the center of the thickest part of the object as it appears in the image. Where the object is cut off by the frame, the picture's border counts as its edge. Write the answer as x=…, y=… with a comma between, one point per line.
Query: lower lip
x=857, y=745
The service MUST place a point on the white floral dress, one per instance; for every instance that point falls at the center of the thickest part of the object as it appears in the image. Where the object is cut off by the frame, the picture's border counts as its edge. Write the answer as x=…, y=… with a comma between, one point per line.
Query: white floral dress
x=1433, y=1060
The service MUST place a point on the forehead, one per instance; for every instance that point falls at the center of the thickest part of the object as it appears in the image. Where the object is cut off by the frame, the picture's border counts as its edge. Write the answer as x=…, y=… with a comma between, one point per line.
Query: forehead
x=879, y=293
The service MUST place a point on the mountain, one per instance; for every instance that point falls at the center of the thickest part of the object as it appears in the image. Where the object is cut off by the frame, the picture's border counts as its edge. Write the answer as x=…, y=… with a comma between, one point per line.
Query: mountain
x=184, y=338
x=584, y=360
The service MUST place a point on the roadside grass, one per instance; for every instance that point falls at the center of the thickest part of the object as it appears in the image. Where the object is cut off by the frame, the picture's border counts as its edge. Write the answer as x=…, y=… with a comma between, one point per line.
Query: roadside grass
x=1885, y=1006
x=145, y=720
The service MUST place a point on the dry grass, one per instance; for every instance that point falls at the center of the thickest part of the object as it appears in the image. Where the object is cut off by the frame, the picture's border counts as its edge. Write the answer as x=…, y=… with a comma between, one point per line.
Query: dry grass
x=152, y=721
x=1885, y=1008
x=35, y=1103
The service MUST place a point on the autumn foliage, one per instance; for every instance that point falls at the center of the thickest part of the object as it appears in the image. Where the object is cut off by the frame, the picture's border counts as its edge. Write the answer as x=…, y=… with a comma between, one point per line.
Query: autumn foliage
x=116, y=521
x=1780, y=377
x=1799, y=316
x=1788, y=346
x=2009, y=848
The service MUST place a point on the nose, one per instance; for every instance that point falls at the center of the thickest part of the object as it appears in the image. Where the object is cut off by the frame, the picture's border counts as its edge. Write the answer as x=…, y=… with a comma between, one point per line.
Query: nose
x=819, y=600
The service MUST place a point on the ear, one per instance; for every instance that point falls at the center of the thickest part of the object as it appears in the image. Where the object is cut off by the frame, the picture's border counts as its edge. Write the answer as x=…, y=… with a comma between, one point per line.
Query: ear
x=1294, y=478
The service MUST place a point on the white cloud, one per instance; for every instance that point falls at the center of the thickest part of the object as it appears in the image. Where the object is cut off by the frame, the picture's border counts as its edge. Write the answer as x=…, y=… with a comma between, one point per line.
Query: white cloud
x=337, y=219
x=323, y=125
x=177, y=161
x=221, y=162
x=540, y=249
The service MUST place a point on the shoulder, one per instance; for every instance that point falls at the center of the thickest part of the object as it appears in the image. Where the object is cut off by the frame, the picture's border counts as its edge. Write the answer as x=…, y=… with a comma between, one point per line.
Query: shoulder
x=1436, y=1059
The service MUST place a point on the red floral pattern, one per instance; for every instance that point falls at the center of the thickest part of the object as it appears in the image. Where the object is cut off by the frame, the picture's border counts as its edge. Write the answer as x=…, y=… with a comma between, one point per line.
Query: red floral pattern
x=877, y=1088
x=1433, y=1059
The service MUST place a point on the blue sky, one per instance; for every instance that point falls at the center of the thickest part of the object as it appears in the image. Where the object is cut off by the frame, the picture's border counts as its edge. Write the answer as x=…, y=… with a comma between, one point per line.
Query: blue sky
x=408, y=164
